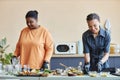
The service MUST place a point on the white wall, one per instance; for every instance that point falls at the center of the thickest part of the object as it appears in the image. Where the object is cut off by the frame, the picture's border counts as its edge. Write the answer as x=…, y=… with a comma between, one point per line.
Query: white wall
x=65, y=19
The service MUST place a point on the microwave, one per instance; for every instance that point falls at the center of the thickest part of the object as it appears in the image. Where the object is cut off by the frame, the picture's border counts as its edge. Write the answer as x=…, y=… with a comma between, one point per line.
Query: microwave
x=65, y=48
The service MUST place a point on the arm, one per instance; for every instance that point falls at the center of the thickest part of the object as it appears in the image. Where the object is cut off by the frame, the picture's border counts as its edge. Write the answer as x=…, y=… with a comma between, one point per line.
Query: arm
x=87, y=57
x=105, y=58
x=48, y=46
x=102, y=61
x=17, y=50
x=85, y=50
x=107, y=48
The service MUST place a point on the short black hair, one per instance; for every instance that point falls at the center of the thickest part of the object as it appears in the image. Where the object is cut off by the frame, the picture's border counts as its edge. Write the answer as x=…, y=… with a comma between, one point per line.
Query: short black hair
x=93, y=16
x=32, y=14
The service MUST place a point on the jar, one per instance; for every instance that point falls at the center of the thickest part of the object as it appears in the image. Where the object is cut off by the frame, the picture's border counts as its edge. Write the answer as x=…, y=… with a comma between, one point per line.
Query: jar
x=114, y=48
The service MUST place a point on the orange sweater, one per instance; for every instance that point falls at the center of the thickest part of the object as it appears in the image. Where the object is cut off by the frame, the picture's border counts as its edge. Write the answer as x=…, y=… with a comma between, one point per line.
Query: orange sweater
x=34, y=47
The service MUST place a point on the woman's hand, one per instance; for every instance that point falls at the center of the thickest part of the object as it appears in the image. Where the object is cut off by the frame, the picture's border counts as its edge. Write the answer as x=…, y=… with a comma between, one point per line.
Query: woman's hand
x=87, y=67
x=14, y=58
x=45, y=65
x=99, y=66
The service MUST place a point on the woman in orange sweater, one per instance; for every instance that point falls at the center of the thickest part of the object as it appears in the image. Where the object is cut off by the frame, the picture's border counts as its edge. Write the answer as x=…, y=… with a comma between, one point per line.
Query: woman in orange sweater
x=35, y=44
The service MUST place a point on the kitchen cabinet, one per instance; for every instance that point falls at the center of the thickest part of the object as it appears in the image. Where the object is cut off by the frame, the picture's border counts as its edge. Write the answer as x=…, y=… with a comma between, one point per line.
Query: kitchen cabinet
x=73, y=60
x=68, y=61
x=116, y=61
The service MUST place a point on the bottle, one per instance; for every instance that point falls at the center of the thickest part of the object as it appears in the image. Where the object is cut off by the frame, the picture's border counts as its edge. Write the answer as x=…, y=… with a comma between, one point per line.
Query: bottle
x=80, y=47
x=80, y=68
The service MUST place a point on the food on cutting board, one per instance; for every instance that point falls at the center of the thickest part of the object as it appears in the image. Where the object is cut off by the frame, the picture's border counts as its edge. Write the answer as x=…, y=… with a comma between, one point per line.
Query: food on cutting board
x=32, y=72
x=104, y=74
x=44, y=73
x=74, y=72
x=24, y=73
x=71, y=74
x=93, y=73
x=48, y=71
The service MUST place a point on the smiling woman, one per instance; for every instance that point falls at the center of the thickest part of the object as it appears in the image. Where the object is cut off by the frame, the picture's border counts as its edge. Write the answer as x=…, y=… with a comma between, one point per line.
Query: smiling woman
x=32, y=19
x=93, y=21
x=96, y=42
x=35, y=45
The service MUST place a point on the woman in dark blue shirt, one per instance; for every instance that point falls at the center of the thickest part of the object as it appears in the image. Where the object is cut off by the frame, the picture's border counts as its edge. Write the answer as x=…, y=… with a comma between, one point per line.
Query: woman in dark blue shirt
x=96, y=42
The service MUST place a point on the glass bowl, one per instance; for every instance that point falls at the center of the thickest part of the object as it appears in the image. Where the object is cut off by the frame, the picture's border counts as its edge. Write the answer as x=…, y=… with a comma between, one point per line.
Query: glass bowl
x=92, y=73
x=104, y=74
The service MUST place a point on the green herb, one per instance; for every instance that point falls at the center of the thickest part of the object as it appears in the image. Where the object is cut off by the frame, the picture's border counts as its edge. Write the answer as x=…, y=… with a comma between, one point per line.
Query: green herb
x=47, y=71
x=5, y=58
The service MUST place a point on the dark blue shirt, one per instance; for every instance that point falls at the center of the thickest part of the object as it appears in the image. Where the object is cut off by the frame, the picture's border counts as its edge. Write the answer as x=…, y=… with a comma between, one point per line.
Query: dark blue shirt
x=97, y=46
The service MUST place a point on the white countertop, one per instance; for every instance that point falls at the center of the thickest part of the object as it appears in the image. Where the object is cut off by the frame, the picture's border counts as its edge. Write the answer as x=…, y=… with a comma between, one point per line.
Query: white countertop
x=79, y=55
x=85, y=77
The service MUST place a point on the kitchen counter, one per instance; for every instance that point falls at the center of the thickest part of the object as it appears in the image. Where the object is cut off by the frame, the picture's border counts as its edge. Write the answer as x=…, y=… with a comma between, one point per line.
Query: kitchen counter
x=111, y=77
x=80, y=55
x=11, y=77
x=79, y=78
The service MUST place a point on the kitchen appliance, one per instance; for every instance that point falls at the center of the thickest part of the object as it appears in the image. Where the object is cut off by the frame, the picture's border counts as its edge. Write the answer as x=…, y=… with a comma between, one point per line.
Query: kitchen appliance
x=65, y=48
